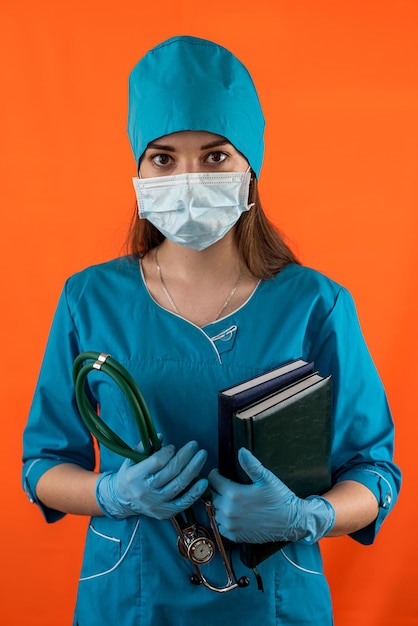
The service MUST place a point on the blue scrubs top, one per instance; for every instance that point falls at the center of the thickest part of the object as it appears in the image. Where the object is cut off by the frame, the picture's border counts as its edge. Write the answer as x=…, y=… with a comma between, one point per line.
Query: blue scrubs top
x=132, y=573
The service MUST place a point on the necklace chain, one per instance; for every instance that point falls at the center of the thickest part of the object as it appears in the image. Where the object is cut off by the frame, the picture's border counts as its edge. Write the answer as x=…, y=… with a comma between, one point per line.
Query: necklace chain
x=173, y=304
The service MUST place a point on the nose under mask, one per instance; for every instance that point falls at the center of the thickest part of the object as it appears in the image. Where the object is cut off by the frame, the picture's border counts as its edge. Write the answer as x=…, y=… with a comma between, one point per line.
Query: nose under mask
x=194, y=210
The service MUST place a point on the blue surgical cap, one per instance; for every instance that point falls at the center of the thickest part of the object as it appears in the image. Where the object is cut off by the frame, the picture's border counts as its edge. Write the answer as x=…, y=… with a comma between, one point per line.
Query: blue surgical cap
x=186, y=83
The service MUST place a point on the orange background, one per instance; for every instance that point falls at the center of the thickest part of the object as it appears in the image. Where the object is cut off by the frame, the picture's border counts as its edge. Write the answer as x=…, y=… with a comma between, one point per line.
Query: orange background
x=338, y=82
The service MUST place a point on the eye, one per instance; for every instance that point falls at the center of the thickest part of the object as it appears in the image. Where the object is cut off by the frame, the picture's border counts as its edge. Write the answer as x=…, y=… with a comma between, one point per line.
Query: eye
x=161, y=160
x=216, y=157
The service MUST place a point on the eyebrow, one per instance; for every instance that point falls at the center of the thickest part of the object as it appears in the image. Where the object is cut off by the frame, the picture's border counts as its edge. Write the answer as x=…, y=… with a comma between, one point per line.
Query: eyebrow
x=160, y=146
x=213, y=144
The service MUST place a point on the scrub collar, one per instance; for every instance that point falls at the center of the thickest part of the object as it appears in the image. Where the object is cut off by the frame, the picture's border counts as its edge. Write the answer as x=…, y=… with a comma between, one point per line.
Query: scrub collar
x=187, y=83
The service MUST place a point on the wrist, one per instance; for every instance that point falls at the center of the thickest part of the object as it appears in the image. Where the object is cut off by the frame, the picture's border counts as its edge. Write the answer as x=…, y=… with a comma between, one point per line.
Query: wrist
x=319, y=519
x=108, y=504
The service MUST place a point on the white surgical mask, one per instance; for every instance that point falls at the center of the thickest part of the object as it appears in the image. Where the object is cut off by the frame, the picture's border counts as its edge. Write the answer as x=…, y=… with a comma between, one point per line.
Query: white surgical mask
x=194, y=210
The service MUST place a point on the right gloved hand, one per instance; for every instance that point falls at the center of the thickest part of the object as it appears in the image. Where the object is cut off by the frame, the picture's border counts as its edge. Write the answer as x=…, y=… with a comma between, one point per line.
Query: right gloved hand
x=158, y=487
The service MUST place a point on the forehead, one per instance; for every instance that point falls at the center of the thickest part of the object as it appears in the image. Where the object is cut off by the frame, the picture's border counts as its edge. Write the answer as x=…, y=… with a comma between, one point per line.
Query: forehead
x=189, y=139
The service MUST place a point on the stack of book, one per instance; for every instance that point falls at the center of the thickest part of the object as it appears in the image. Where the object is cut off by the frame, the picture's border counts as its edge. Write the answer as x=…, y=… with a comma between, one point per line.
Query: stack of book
x=284, y=418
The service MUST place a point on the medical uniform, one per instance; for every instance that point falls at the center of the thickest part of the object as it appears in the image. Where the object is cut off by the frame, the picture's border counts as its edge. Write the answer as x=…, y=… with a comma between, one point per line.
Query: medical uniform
x=132, y=573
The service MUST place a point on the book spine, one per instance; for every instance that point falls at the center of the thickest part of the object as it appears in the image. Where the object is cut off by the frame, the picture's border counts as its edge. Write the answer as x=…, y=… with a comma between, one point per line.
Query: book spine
x=243, y=438
x=226, y=408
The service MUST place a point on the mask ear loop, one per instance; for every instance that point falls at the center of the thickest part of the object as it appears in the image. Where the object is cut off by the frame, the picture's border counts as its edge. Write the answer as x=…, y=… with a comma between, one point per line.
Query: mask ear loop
x=253, y=182
x=138, y=167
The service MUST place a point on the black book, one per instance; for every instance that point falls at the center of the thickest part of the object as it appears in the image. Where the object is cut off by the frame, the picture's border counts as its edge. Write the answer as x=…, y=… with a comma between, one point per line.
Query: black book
x=290, y=433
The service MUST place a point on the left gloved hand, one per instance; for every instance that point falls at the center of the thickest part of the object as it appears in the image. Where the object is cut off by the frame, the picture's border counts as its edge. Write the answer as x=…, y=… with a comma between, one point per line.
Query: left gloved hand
x=266, y=510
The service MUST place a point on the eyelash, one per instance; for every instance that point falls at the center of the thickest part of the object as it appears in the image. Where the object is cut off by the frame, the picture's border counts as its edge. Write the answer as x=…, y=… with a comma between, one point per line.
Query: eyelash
x=153, y=158
x=218, y=152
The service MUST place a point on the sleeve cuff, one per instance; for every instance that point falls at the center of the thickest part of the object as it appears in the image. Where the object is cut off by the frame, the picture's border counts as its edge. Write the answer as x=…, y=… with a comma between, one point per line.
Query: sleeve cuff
x=33, y=470
x=377, y=480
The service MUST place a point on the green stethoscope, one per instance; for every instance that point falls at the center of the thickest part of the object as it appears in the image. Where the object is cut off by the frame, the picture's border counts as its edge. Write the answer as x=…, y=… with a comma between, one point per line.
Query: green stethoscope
x=194, y=542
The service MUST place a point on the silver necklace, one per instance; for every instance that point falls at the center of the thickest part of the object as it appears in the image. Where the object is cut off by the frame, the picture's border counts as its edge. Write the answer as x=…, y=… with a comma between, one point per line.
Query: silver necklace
x=173, y=304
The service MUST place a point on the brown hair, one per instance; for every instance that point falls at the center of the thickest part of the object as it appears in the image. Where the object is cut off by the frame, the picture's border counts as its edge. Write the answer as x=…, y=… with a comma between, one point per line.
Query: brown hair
x=261, y=245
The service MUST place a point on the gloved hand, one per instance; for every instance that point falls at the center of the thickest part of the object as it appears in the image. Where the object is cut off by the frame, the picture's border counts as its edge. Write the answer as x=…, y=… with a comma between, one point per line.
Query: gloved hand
x=266, y=510
x=158, y=487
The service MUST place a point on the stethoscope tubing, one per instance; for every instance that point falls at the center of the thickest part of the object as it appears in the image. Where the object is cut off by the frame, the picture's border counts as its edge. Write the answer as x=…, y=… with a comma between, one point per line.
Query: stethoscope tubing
x=90, y=361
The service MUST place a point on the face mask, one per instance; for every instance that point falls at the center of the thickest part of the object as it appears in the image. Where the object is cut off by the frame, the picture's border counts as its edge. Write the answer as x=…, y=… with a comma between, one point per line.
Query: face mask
x=194, y=210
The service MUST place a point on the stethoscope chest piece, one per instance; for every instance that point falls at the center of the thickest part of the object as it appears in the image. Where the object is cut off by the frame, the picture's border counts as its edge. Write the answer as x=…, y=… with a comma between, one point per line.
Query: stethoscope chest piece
x=196, y=545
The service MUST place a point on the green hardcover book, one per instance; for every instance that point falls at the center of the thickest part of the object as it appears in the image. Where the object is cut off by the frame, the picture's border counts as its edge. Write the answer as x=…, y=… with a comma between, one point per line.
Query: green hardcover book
x=290, y=433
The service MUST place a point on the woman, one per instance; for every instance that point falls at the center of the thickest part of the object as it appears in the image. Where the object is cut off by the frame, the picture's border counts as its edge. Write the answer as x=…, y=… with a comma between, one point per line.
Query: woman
x=209, y=296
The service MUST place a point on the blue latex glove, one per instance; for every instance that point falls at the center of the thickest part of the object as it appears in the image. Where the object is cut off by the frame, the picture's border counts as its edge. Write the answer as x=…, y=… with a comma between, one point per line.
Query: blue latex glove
x=266, y=510
x=158, y=487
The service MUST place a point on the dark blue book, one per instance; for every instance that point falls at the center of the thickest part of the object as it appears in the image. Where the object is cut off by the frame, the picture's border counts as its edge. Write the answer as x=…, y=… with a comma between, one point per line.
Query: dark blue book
x=248, y=392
